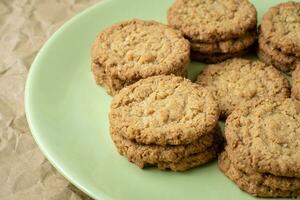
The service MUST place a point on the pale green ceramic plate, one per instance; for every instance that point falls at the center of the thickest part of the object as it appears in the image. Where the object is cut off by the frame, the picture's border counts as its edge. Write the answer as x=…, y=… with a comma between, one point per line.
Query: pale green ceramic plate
x=67, y=114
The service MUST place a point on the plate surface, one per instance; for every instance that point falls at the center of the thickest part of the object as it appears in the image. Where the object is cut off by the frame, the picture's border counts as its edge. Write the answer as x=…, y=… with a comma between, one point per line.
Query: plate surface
x=68, y=115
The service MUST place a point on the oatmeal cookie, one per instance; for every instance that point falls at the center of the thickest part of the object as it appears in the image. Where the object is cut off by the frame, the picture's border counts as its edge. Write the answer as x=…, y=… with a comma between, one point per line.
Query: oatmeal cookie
x=281, y=27
x=154, y=153
x=212, y=20
x=272, y=56
x=245, y=182
x=264, y=136
x=129, y=51
x=265, y=179
x=163, y=110
x=236, y=81
x=226, y=46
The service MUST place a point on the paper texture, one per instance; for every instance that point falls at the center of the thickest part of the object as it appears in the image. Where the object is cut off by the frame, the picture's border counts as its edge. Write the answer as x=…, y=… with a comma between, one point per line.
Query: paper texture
x=24, y=26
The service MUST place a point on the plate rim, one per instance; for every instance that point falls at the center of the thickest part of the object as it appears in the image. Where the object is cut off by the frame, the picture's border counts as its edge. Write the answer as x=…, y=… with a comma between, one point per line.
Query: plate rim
x=28, y=107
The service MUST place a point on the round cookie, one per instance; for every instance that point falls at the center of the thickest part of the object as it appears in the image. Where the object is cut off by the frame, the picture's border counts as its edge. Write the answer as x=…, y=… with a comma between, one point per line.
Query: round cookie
x=265, y=179
x=155, y=153
x=211, y=21
x=296, y=83
x=245, y=183
x=238, y=80
x=281, y=27
x=264, y=136
x=226, y=46
x=132, y=50
x=163, y=110
x=272, y=56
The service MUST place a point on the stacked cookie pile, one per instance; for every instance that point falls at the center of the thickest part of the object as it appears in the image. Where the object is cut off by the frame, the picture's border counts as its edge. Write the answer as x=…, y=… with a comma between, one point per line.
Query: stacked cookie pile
x=159, y=118
x=165, y=121
x=263, y=144
x=279, y=40
x=217, y=30
x=132, y=50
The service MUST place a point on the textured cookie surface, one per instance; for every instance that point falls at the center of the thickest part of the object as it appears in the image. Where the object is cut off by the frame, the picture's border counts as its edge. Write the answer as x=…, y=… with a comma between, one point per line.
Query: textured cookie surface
x=212, y=20
x=179, y=164
x=226, y=46
x=264, y=136
x=192, y=161
x=154, y=153
x=265, y=179
x=163, y=110
x=281, y=26
x=271, y=59
x=246, y=183
x=238, y=80
x=131, y=50
x=296, y=83
x=271, y=55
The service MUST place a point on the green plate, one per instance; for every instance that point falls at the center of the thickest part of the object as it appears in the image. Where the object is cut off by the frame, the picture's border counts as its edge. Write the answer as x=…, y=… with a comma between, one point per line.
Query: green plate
x=68, y=115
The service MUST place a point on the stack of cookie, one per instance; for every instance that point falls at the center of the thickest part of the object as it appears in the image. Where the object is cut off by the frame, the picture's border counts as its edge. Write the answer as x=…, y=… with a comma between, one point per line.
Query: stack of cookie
x=262, y=155
x=279, y=40
x=132, y=50
x=165, y=121
x=217, y=30
x=237, y=81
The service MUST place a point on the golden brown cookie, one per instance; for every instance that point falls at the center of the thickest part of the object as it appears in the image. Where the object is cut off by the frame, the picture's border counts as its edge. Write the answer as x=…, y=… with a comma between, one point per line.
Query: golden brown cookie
x=246, y=183
x=264, y=136
x=132, y=50
x=211, y=21
x=174, y=157
x=226, y=46
x=272, y=56
x=154, y=153
x=265, y=179
x=281, y=27
x=163, y=110
x=190, y=162
x=236, y=81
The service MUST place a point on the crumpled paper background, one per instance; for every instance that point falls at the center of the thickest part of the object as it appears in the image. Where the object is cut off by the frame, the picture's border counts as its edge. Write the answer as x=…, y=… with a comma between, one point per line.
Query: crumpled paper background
x=24, y=26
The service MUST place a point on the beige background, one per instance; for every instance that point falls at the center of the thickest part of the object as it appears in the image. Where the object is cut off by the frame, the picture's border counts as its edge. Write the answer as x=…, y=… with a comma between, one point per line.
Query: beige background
x=24, y=26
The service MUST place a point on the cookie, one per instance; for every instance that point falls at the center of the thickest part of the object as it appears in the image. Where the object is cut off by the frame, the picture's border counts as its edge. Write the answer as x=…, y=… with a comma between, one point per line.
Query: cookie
x=163, y=110
x=227, y=46
x=296, y=83
x=265, y=179
x=169, y=157
x=236, y=81
x=190, y=162
x=245, y=182
x=281, y=27
x=272, y=56
x=264, y=136
x=132, y=50
x=275, y=61
x=212, y=21
x=154, y=153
